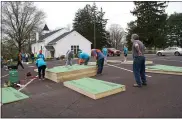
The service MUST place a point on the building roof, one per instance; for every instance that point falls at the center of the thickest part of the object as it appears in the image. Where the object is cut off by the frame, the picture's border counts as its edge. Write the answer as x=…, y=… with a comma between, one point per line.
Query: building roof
x=45, y=28
x=59, y=38
x=42, y=37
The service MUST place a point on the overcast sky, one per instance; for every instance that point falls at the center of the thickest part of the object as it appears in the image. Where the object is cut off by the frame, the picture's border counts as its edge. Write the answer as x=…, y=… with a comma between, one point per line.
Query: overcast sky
x=59, y=14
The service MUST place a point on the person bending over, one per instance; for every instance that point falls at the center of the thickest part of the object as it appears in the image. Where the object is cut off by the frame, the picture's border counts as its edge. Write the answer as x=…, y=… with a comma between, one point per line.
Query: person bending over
x=41, y=64
x=83, y=58
x=99, y=56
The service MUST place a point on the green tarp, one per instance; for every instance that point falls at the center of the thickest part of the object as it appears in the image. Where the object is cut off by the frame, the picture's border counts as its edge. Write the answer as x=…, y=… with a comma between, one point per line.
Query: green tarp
x=68, y=68
x=10, y=94
x=165, y=68
x=93, y=86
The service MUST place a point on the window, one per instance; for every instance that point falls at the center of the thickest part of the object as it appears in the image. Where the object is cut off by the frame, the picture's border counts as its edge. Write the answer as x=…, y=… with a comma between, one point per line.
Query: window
x=75, y=48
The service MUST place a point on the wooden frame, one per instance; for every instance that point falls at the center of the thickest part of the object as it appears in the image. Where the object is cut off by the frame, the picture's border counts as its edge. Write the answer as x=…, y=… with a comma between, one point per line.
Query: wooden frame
x=98, y=95
x=70, y=75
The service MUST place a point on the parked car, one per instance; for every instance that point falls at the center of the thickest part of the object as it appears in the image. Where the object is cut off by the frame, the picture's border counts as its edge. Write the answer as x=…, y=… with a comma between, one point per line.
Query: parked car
x=113, y=52
x=170, y=51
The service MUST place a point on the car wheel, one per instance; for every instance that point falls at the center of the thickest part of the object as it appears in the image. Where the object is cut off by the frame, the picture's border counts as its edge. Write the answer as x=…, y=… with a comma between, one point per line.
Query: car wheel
x=159, y=54
x=176, y=54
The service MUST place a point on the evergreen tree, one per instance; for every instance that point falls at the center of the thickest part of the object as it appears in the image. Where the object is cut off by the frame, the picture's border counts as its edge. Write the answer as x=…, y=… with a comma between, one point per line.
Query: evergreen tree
x=151, y=19
x=90, y=22
x=174, y=26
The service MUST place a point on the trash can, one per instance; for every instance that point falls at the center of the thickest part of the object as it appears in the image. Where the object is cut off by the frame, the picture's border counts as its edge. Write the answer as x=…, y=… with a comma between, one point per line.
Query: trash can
x=13, y=76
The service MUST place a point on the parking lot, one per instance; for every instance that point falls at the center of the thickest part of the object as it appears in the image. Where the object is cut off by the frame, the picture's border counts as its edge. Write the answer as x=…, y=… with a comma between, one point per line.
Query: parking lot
x=162, y=97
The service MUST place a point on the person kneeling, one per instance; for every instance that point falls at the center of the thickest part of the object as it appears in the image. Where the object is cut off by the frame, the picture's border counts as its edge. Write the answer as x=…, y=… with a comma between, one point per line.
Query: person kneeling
x=41, y=64
x=83, y=58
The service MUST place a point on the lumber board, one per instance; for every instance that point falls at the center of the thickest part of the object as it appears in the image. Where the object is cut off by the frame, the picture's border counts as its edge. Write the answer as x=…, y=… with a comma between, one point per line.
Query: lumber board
x=165, y=68
x=113, y=61
x=131, y=62
x=93, y=88
x=163, y=72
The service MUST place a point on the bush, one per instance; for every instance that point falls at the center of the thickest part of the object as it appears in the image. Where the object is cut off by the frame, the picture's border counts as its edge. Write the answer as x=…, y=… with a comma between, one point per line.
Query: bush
x=62, y=57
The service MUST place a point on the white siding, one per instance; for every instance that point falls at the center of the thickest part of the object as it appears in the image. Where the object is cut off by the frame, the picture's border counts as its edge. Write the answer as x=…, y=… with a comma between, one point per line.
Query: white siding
x=73, y=38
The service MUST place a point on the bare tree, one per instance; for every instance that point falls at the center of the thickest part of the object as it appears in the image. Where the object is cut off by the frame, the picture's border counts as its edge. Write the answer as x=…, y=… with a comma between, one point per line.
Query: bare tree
x=116, y=34
x=20, y=20
x=68, y=27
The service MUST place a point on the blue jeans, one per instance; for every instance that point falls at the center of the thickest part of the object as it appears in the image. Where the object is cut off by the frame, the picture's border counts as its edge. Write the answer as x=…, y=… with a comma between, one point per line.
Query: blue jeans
x=139, y=69
x=100, y=63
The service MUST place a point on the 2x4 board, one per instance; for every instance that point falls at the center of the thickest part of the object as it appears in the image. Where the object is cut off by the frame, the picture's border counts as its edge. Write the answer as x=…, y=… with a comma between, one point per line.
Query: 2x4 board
x=131, y=62
x=164, y=69
x=94, y=88
x=127, y=62
x=66, y=73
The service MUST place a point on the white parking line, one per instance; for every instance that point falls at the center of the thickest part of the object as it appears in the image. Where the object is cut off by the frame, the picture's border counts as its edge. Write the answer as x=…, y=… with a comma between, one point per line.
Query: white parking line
x=125, y=69
x=4, y=75
x=26, y=84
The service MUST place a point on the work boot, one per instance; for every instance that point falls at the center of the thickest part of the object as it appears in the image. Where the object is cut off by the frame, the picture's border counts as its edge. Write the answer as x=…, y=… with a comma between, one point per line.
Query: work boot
x=136, y=85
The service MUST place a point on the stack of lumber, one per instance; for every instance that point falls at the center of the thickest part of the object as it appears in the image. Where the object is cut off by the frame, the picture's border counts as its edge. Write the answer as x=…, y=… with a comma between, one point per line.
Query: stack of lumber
x=63, y=73
x=94, y=88
x=164, y=69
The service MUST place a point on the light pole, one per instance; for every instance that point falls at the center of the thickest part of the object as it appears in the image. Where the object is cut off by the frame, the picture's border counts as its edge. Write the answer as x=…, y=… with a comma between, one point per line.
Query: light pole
x=94, y=30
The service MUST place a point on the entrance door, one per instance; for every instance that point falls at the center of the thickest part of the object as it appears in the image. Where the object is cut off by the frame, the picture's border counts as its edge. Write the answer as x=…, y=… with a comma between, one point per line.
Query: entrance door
x=52, y=54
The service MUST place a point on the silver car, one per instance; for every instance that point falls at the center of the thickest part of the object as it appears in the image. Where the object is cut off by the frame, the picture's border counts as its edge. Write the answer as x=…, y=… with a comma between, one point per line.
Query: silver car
x=170, y=51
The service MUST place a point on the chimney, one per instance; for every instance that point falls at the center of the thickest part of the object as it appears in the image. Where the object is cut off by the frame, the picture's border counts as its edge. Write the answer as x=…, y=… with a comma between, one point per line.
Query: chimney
x=37, y=36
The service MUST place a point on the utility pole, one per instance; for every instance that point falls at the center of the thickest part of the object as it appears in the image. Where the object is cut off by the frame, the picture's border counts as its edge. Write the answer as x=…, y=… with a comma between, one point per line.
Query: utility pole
x=94, y=30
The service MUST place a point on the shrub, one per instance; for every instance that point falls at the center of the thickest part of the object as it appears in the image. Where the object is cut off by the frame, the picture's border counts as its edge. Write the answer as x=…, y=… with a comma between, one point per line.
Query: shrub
x=62, y=57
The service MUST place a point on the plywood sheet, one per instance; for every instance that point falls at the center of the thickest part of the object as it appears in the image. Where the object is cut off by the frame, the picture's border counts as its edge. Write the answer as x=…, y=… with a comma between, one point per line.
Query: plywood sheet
x=94, y=88
x=10, y=94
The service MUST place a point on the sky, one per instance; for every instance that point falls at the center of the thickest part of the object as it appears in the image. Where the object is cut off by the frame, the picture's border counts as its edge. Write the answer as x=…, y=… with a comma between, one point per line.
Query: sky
x=61, y=14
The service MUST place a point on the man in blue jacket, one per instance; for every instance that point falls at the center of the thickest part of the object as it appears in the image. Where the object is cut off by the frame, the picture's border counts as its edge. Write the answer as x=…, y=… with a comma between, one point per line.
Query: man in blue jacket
x=41, y=64
x=83, y=58
x=105, y=52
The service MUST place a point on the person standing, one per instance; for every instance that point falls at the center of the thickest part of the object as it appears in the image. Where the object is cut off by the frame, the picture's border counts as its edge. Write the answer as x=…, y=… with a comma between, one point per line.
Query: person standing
x=138, y=61
x=20, y=60
x=83, y=58
x=23, y=57
x=69, y=57
x=26, y=57
x=41, y=64
x=125, y=50
x=32, y=57
x=105, y=52
x=99, y=56
x=40, y=55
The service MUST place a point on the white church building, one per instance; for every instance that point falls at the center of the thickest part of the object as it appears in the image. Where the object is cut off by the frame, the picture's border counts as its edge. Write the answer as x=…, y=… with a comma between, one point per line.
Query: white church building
x=56, y=43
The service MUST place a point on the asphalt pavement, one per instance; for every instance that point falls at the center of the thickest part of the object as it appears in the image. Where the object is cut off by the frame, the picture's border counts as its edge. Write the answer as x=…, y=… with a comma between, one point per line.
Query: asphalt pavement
x=160, y=98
